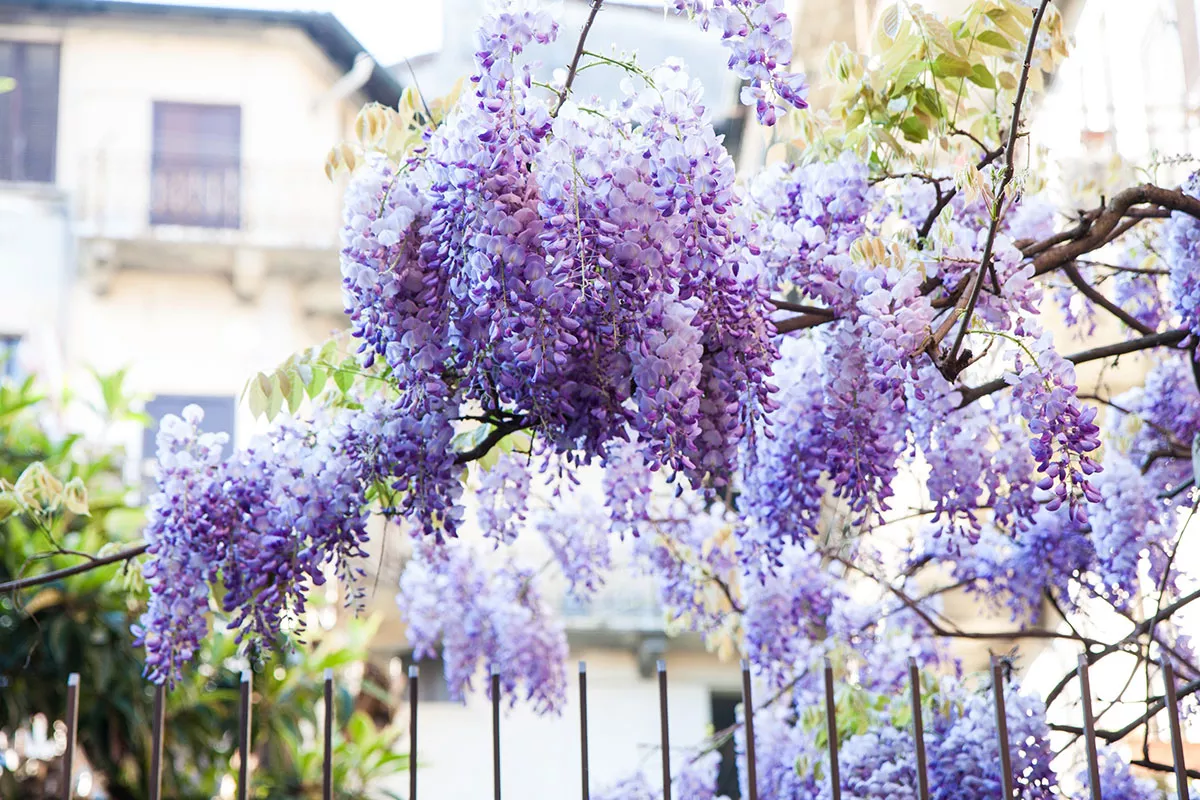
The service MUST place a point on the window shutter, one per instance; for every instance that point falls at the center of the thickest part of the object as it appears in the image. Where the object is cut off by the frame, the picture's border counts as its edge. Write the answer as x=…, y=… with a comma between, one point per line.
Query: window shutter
x=8, y=112
x=29, y=113
x=196, y=173
x=39, y=111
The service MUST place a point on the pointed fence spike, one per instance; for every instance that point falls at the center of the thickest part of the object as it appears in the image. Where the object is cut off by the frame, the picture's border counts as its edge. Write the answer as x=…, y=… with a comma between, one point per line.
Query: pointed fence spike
x=414, y=673
x=1172, y=698
x=835, y=774
x=665, y=735
x=748, y=715
x=243, y=789
x=156, y=741
x=1089, y=729
x=1006, y=772
x=914, y=680
x=583, y=730
x=496, y=729
x=68, y=765
x=327, y=766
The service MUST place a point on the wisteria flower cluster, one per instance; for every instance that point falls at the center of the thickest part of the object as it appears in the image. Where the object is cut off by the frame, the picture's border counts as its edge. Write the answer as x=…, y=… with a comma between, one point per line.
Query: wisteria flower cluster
x=575, y=276
x=758, y=35
x=810, y=411
x=1181, y=252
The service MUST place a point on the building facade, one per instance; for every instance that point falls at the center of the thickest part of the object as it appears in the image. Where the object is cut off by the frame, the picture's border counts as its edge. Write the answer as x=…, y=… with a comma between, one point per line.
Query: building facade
x=162, y=200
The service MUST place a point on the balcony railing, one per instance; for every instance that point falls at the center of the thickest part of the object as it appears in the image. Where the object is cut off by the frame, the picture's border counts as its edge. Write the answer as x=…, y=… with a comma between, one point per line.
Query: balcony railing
x=262, y=202
x=199, y=195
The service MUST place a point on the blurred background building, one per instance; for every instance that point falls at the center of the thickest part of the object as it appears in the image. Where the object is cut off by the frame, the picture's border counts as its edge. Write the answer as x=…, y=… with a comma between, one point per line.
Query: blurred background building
x=163, y=207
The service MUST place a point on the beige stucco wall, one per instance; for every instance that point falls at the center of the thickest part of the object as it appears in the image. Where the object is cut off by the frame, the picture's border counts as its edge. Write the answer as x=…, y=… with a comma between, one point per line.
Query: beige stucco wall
x=540, y=755
x=175, y=319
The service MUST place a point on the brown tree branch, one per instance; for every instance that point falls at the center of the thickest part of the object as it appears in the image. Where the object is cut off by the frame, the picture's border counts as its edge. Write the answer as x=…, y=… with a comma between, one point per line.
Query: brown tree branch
x=1166, y=338
x=491, y=440
x=67, y=572
x=1094, y=294
x=801, y=308
x=1094, y=229
x=801, y=322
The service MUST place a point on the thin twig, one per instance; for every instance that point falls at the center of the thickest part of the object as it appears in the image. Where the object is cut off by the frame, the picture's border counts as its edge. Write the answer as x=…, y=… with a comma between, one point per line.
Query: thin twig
x=67, y=572
x=573, y=69
x=1166, y=338
x=1138, y=630
x=1006, y=177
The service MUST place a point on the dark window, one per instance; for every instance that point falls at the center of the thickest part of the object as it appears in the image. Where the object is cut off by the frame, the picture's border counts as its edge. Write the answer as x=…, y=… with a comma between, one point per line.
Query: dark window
x=29, y=113
x=431, y=683
x=9, y=348
x=219, y=413
x=196, y=167
x=724, y=716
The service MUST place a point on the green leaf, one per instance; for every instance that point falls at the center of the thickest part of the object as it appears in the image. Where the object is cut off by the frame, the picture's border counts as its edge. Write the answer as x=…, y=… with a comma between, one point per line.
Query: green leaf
x=471, y=438
x=344, y=375
x=274, y=400
x=910, y=71
x=295, y=393
x=283, y=379
x=980, y=76
x=7, y=85
x=260, y=391
x=995, y=39
x=320, y=376
x=914, y=129
x=8, y=505
x=947, y=65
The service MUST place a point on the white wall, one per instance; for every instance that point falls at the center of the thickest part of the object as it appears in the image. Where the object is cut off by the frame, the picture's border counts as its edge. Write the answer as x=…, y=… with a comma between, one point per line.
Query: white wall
x=110, y=78
x=540, y=755
x=36, y=257
x=181, y=329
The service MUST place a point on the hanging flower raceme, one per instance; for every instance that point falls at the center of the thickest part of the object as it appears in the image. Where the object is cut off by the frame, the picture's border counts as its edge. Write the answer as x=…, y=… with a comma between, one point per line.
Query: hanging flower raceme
x=1181, y=251
x=758, y=35
x=578, y=277
x=483, y=615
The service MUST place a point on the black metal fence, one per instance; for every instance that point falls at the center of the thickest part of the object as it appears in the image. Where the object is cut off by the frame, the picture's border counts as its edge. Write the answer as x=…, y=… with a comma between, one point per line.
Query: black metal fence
x=1007, y=777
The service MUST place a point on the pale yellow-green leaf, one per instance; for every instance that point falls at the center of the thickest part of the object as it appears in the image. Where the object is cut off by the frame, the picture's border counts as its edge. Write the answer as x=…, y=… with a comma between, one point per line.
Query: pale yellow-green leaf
x=980, y=76
x=1036, y=82
x=909, y=72
x=1006, y=80
x=995, y=39
x=889, y=21
x=1007, y=22
x=9, y=504
x=75, y=497
x=947, y=65
x=260, y=390
x=37, y=489
x=295, y=394
x=317, y=382
x=343, y=376
x=274, y=399
x=936, y=30
x=7, y=85
x=489, y=459
x=283, y=379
